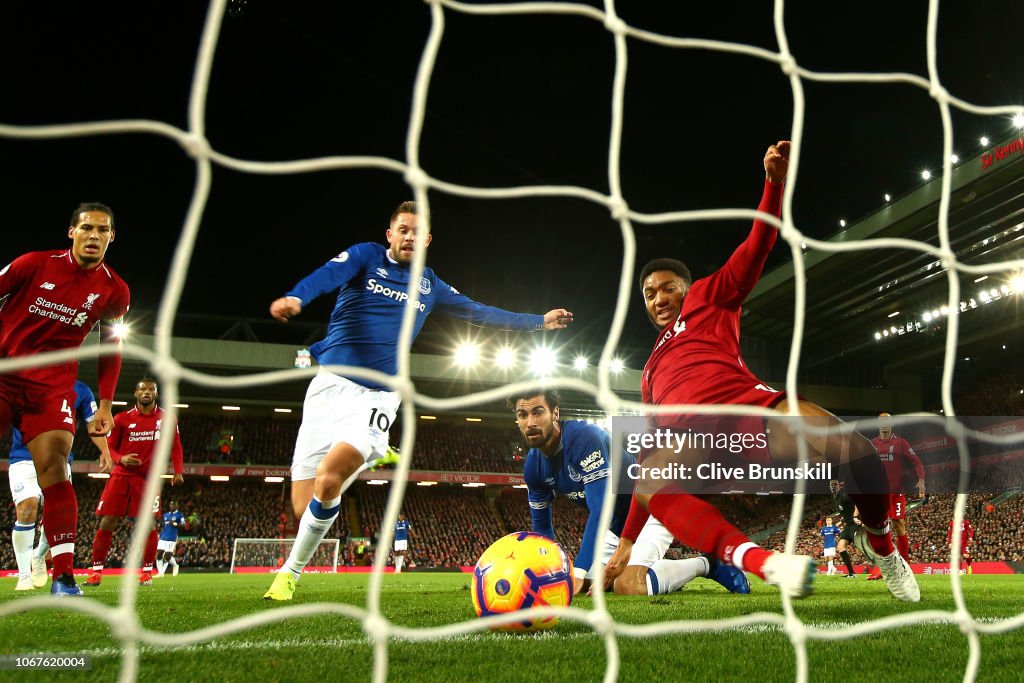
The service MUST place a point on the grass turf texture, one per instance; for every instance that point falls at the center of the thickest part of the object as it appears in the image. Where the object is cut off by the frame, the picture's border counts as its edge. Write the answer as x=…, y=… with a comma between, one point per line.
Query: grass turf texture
x=335, y=647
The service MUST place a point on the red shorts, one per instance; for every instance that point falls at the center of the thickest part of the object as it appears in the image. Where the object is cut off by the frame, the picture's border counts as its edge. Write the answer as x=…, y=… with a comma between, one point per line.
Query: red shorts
x=123, y=493
x=36, y=407
x=897, y=506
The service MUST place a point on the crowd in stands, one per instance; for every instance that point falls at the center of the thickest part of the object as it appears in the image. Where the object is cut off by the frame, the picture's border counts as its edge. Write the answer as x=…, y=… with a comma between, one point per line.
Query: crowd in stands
x=1002, y=394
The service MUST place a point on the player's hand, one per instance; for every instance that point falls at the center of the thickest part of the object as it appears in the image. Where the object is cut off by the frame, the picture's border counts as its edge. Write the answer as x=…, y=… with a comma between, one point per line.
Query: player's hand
x=106, y=463
x=102, y=421
x=285, y=308
x=130, y=460
x=776, y=161
x=177, y=479
x=617, y=562
x=557, y=319
x=920, y=488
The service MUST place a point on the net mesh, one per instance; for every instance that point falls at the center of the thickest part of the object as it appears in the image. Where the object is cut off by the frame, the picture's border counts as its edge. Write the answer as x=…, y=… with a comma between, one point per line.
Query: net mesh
x=272, y=552
x=123, y=620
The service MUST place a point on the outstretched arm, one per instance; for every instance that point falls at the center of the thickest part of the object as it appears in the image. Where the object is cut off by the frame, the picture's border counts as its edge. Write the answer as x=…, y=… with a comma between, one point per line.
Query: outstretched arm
x=453, y=302
x=326, y=278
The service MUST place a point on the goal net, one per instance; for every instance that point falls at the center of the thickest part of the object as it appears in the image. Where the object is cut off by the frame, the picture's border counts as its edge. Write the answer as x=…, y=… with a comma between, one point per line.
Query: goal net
x=171, y=373
x=251, y=555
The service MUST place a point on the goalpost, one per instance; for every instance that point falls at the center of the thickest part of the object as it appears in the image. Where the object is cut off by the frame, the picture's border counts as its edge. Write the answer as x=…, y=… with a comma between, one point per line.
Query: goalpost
x=267, y=554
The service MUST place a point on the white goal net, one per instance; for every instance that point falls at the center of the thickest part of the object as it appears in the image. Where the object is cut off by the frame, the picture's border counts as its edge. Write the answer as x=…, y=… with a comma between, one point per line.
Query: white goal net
x=267, y=554
x=122, y=618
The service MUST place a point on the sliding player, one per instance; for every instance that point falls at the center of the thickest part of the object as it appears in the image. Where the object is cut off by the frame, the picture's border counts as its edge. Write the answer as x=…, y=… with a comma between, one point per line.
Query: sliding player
x=133, y=442
x=345, y=420
x=696, y=360
x=573, y=458
x=50, y=301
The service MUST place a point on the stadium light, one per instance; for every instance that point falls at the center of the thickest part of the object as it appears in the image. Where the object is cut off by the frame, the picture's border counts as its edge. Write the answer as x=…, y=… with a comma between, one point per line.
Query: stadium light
x=505, y=357
x=888, y=197
x=466, y=354
x=273, y=480
x=935, y=313
x=1017, y=283
x=377, y=482
x=120, y=331
x=984, y=141
x=893, y=314
x=118, y=403
x=580, y=363
x=230, y=408
x=219, y=477
x=474, y=419
x=180, y=405
x=473, y=484
x=617, y=365
x=926, y=175
x=842, y=222
x=885, y=333
x=428, y=417
x=893, y=329
x=1018, y=120
x=981, y=279
x=282, y=410
x=944, y=310
x=927, y=317
x=543, y=361
x=426, y=483
x=523, y=486
x=955, y=159
x=167, y=476
x=878, y=335
x=98, y=475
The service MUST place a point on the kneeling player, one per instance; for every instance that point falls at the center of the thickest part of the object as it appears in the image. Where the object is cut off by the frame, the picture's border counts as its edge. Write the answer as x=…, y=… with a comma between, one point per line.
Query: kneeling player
x=572, y=457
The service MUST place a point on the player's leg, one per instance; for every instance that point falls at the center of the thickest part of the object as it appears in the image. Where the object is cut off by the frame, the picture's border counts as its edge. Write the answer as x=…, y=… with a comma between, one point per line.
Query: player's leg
x=148, y=514
x=171, y=560
x=25, y=493
x=861, y=469
x=898, y=520
x=101, y=543
x=302, y=494
x=49, y=451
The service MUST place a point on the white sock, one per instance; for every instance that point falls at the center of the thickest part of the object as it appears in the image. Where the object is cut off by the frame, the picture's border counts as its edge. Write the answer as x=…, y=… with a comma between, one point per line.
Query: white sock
x=316, y=521
x=399, y=560
x=22, y=537
x=831, y=567
x=43, y=546
x=161, y=567
x=668, y=576
x=173, y=562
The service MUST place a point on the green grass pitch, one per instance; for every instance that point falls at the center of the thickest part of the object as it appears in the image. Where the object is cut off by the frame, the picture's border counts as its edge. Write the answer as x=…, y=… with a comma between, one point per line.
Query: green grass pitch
x=331, y=647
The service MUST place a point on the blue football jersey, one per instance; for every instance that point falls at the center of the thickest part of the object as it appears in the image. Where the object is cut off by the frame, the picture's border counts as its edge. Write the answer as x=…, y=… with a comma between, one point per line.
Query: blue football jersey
x=173, y=521
x=579, y=470
x=85, y=412
x=402, y=530
x=363, y=329
x=830, y=533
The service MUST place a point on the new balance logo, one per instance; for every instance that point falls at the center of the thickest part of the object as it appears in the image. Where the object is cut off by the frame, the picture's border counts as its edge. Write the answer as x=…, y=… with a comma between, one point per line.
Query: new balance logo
x=381, y=272
x=131, y=426
x=47, y=285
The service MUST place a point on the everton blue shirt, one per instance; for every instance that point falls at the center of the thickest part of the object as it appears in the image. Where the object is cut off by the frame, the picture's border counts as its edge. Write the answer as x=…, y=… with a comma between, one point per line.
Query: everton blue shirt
x=172, y=522
x=830, y=533
x=402, y=530
x=579, y=470
x=363, y=329
x=85, y=411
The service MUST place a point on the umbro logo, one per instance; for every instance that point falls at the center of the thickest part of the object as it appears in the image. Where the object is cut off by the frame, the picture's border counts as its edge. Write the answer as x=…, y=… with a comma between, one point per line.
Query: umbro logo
x=381, y=272
x=47, y=285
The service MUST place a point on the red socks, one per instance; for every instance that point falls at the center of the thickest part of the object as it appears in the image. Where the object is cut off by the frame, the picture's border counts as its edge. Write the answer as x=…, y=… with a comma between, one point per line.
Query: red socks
x=149, y=553
x=700, y=525
x=60, y=519
x=903, y=543
x=100, y=548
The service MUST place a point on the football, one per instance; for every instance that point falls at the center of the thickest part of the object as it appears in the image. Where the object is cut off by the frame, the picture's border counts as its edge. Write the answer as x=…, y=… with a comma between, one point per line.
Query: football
x=520, y=571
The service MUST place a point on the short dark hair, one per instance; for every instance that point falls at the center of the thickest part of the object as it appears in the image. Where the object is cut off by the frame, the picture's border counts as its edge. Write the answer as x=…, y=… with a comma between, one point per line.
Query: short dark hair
x=92, y=206
x=551, y=396
x=404, y=207
x=671, y=264
x=147, y=380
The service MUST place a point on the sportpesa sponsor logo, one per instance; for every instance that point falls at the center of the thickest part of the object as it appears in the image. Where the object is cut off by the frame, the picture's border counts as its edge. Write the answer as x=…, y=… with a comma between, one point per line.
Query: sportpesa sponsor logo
x=399, y=295
x=59, y=312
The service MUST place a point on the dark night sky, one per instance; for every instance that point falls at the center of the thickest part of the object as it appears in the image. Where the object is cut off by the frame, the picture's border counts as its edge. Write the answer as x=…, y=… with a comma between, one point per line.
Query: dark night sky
x=515, y=100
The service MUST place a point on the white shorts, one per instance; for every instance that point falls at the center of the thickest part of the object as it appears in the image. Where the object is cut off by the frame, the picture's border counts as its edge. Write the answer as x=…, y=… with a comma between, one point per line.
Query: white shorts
x=829, y=552
x=402, y=545
x=23, y=481
x=651, y=546
x=166, y=546
x=339, y=410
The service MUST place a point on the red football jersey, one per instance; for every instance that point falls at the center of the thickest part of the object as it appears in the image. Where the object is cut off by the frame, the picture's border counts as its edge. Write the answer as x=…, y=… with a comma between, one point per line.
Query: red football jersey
x=966, y=533
x=697, y=358
x=48, y=303
x=138, y=433
x=895, y=452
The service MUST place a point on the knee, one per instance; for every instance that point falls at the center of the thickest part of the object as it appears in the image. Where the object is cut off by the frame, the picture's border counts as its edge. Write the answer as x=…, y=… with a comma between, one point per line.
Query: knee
x=27, y=510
